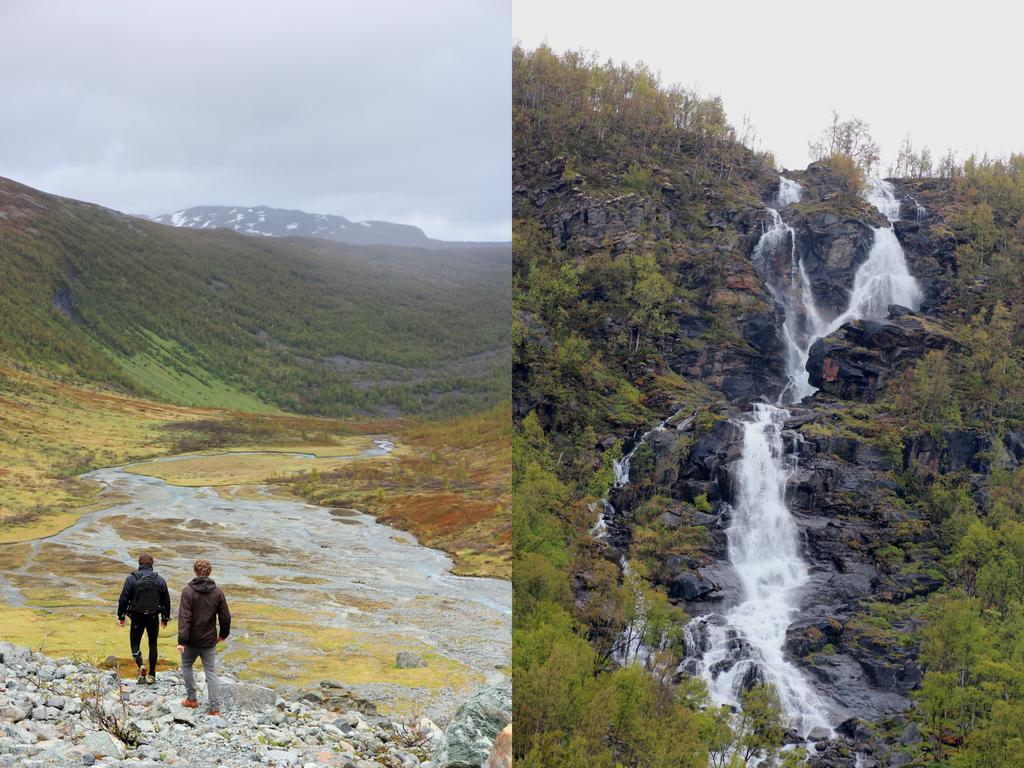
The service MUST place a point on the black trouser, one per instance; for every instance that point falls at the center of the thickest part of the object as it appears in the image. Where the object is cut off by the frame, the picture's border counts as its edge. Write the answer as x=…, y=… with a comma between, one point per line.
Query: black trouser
x=150, y=624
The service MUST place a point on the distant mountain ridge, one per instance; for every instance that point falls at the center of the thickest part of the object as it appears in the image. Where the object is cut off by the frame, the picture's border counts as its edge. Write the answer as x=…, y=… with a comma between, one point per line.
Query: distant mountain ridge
x=280, y=222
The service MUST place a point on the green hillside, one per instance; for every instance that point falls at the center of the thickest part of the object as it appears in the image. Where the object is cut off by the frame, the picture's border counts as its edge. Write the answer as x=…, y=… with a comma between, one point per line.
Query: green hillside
x=636, y=212
x=258, y=324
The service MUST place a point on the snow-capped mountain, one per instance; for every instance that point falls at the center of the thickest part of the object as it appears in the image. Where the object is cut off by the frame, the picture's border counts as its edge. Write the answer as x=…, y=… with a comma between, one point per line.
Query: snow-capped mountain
x=277, y=222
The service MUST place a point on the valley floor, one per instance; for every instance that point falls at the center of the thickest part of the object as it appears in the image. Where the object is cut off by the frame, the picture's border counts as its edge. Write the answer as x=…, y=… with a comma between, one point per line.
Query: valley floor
x=446, y=483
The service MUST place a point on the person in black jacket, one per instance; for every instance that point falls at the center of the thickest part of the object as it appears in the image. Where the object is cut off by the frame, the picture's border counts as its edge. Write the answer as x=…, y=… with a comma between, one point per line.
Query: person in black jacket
x=146, y=600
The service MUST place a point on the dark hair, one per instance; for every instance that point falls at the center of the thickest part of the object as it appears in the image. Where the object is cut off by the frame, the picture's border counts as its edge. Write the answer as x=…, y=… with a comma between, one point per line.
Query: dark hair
x=146, y=559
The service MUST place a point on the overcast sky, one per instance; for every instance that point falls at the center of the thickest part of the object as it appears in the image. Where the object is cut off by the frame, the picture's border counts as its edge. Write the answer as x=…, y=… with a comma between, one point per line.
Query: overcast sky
x=947, y=74
x=372, y=110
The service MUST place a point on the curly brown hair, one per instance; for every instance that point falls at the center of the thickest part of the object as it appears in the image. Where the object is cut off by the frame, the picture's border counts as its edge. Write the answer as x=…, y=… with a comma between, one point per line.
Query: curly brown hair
x=202, y=568
x=146, y=560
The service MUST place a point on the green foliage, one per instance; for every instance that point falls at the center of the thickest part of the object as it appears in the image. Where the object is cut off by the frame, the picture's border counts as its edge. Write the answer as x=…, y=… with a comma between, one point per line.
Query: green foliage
x=215, y=318
x=638, y=178
x=594, y=112
x=590, y=333
x=928, y=394
x=846, y=140
x=761, y=727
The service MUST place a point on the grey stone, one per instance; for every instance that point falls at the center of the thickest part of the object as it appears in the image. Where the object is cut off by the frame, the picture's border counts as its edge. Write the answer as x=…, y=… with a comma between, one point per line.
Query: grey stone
x=281, y=757
x=246, y=696
x=471, y=733
x=409, y=660
x=819, y=734
x=12, y=714
x=102, y=744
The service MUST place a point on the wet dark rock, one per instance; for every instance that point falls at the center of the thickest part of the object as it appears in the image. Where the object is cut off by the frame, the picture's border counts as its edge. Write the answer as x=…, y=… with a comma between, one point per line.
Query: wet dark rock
x=737, y=373
x=810, y=635
x=819, y=734
x=832, y=248
x=855, y=361
x=690, y=586
x=949, y=452
x=705, y=470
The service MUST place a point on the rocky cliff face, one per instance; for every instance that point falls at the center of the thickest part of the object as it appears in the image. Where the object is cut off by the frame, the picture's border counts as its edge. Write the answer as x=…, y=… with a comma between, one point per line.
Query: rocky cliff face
x=856, y=361
x=869, y=550
x=728, y=335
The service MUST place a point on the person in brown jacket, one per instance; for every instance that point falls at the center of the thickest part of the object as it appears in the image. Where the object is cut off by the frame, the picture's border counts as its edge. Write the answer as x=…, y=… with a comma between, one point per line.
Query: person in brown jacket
x=201, y=608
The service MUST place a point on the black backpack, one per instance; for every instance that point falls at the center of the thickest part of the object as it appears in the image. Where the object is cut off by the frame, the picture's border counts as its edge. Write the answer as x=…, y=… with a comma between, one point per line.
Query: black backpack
x=146, y=599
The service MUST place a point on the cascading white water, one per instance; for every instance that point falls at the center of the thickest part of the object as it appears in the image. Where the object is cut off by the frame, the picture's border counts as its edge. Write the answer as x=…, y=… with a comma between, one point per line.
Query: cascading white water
x=803, y=323
x=746, y=645
x=881, y=194
x=620, y=467
x=620, y=470
x=789, y=192
x=883, y=279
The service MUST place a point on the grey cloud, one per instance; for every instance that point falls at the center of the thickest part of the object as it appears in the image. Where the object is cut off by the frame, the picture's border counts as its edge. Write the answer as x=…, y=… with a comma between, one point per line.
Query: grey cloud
x=385, y=110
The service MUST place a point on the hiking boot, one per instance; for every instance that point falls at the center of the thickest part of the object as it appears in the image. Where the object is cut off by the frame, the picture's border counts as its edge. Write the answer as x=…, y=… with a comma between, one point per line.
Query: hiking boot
x=150, y=680
x=214, y=713
x=142, y=676
x=190, y=703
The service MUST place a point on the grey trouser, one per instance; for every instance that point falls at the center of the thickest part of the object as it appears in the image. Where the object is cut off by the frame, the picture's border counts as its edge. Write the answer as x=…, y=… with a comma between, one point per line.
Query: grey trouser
x=209, y=658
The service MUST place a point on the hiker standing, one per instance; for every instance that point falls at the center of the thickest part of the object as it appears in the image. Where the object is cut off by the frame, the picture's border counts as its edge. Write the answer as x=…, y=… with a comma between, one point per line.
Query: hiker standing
x=201, y=608
x=146, y=600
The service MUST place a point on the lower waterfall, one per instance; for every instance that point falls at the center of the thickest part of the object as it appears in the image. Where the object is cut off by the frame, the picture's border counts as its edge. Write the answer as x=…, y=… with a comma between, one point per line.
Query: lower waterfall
x=746, y=645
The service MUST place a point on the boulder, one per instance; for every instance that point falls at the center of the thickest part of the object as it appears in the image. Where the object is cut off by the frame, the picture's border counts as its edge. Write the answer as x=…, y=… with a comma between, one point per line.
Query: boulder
x=501, y=752
x=690, y=586
x=101, y=744
x=854, y=362
x=246, y=696
x=471, y=734
x=409, y=660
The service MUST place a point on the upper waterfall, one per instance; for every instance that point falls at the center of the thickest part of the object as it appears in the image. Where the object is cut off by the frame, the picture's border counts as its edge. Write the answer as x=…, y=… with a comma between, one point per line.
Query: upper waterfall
x=789, y=192
x=883, y=279
x=881, y=194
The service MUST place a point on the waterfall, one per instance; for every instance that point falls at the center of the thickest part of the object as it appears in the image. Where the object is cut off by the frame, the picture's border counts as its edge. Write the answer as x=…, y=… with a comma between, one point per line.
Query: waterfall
x=620, y=467
x=803, y=323
x=883, y=279
x=882, y=195
x=746, y=645
x=789, y=192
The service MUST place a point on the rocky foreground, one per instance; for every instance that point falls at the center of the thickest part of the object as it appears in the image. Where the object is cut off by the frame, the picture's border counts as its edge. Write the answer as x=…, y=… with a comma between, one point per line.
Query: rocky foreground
x=64, y=712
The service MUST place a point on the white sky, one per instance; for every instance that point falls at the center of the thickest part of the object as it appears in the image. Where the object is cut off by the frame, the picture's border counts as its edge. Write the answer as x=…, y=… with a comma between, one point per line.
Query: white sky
x=949, y=75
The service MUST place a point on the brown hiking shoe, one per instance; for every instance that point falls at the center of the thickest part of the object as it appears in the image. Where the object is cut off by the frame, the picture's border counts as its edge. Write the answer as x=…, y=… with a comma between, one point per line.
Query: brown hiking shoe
x=214, y=713
x=190, y=703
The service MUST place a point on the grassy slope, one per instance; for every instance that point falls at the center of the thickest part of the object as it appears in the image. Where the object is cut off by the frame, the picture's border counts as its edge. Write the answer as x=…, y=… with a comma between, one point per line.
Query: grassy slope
x=214, y=318
x=448, y=482
x=51, y=431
